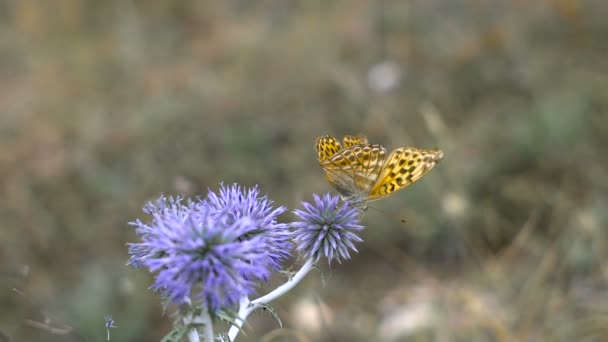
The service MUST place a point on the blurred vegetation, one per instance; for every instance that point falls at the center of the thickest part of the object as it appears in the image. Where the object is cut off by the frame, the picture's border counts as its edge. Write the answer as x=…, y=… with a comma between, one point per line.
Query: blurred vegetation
x=105, y=105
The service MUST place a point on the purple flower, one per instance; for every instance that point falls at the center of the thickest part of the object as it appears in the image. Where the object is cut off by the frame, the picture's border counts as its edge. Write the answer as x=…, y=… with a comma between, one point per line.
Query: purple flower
x=109, y=324
x=203, y=252
x=238, y=203
x=327, y=228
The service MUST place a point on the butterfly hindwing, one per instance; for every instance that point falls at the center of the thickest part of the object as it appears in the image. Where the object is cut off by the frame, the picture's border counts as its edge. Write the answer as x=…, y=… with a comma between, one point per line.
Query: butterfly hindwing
x=353, y=171
x=370, y=159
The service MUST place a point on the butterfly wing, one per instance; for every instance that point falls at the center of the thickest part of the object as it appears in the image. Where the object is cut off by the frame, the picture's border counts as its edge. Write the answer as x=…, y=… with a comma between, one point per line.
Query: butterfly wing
x=353, y=140
x=326, y=147
x=404, y=166
x=354, y=170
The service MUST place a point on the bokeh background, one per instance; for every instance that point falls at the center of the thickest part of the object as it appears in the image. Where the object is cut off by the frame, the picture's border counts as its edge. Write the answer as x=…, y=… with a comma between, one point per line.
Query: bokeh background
x=105, y=105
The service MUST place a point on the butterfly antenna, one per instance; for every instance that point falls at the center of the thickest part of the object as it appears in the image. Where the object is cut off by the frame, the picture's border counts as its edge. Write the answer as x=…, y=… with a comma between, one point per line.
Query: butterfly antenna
x=401, y=219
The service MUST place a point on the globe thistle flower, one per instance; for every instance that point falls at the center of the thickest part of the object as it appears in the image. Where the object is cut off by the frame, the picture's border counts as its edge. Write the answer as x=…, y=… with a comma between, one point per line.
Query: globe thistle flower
x=327, y=228
x=201, y=253
x=238, y=203
x=110, y=324
x=140, y=252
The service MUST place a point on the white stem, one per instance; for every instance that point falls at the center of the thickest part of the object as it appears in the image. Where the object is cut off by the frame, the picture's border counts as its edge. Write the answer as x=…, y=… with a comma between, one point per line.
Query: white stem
x=202, y=320
x=193, y=335
x=240, y=320
x=208, y=328
x=246, y=307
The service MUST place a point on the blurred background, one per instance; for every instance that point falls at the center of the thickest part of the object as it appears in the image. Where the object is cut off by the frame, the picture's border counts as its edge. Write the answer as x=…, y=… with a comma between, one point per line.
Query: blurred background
x=106, y=105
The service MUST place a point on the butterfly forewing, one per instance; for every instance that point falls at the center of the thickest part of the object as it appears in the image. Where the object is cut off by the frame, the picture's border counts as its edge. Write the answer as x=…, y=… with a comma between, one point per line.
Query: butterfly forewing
x=404, y=166
x=353, y=140
x=326, y=147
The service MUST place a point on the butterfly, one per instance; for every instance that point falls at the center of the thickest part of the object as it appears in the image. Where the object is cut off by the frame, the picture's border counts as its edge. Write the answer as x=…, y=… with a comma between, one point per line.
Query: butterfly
x=362, y=172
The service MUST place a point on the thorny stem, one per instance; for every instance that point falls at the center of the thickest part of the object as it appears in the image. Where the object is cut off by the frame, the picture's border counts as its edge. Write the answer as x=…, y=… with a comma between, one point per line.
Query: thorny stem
x=246, y=307
x=193, y=335
x=203, y=319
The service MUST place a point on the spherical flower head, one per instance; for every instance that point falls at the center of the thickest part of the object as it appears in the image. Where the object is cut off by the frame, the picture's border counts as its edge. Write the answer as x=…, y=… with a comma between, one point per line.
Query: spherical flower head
x=239, y=203
x=198, y=253
x=327, y=228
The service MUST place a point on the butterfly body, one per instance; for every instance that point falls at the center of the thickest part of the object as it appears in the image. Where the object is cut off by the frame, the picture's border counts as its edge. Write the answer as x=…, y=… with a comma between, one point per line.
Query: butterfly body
x=363, y=172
